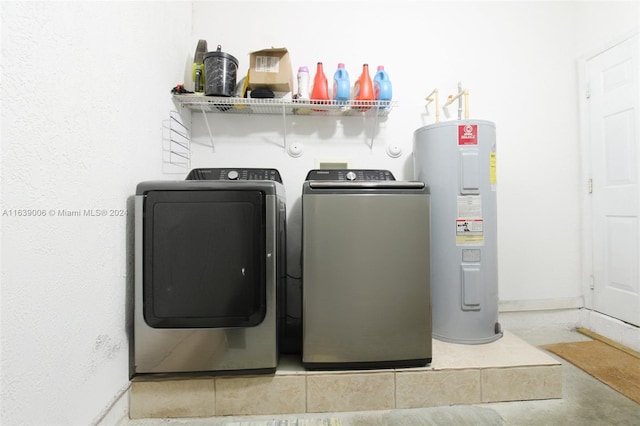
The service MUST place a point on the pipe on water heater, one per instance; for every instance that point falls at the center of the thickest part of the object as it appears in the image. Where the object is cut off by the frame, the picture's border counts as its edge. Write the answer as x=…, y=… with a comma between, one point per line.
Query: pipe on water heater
x=461, y=93
x=430, y=98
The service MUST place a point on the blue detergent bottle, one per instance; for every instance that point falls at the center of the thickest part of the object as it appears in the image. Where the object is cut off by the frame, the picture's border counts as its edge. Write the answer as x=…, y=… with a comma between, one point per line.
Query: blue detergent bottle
x=341, y=85
x=382, y=86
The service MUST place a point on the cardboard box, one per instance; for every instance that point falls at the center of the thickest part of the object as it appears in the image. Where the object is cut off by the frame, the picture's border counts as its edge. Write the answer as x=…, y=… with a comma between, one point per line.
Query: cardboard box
x=271, y=68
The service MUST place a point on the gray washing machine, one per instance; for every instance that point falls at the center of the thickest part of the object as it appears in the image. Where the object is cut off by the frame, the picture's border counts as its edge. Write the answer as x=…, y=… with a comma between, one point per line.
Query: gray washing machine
x=366, y=271
x=209, y=268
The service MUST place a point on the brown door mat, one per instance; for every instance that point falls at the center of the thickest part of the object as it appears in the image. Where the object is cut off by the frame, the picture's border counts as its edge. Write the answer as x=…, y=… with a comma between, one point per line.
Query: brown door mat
x=596, y=336
x=618, y=369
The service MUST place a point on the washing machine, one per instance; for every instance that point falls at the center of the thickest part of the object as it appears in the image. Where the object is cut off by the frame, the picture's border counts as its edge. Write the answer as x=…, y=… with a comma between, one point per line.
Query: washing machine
x=366, y=280
x=209, y=265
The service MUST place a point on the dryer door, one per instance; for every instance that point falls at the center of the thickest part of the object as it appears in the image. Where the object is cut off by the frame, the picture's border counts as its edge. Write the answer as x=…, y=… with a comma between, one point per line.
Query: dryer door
x=204, y=258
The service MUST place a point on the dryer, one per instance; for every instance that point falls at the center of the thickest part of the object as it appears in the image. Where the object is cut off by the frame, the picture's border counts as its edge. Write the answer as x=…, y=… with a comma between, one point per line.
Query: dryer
x=209, y=266
x=366, y=281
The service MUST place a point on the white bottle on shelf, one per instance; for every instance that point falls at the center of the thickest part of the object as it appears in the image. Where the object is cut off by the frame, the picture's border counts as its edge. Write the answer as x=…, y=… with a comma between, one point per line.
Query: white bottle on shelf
x=303, y=83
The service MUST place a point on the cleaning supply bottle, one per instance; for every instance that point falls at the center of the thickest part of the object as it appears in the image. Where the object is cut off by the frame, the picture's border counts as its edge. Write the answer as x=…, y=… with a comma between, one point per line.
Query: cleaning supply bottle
x=197, y=71
x=363, y=89
x=382, y=86
x=303, y=83
x=320, y=90
x=341, y=85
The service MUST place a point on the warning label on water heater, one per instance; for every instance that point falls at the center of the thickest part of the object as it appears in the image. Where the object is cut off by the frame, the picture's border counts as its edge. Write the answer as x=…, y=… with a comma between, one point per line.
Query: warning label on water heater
x=469, y=231
x=469, y=222
x=468, y=134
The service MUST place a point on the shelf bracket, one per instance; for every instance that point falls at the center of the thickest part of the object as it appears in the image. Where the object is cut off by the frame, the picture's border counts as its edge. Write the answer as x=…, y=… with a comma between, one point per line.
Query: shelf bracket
x=375, y=126
x=284, y=128
x=206, y=122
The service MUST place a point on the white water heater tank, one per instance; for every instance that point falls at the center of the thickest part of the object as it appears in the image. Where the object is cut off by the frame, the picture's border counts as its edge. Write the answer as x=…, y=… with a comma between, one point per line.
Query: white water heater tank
x=457, y=159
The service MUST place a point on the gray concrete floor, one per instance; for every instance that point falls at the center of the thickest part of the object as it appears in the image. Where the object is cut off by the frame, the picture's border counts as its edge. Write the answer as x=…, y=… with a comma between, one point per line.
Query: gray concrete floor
x=585, y=401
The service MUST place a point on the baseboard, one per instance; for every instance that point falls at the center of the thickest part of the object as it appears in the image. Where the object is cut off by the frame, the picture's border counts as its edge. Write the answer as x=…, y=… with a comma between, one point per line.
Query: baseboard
x=618, y=331
x=525, y=320
x=568, y=314
x=117, y=412
x=541, y=304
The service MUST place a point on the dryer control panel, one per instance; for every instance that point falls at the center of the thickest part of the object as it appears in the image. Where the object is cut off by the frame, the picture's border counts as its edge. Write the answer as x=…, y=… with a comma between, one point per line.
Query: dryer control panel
x=350, y=175
x=234, y=174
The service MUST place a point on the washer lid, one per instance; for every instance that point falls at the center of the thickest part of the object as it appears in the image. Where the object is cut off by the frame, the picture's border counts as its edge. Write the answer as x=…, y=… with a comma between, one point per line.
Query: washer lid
x=350, y=175
x=395, y=184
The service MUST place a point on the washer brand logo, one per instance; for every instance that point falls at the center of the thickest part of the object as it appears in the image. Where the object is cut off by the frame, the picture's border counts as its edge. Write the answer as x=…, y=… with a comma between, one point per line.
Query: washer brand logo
x=468, y=134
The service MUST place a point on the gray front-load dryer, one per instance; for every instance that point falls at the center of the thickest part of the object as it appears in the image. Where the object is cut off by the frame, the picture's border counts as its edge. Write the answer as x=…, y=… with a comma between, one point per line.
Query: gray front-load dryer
x=366, y=295
x=209, y=267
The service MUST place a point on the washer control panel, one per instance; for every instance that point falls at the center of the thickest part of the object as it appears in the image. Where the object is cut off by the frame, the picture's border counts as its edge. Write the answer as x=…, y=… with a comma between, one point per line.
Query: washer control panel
x=350, y=175
x=234, y=174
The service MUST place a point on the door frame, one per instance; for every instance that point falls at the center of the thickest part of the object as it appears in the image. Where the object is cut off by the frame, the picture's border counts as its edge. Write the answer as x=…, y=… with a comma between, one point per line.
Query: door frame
x=586, y=169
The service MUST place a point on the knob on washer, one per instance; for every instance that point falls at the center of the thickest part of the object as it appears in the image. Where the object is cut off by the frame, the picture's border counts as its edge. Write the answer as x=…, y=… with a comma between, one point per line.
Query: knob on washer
x=232, y=175
x=351, y=176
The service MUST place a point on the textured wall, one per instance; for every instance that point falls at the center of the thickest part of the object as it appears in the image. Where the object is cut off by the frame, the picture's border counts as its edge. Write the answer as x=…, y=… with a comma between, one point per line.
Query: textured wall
x=85, y=87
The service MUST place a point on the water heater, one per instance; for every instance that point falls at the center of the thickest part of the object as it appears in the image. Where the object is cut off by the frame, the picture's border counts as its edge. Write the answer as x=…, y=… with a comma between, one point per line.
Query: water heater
x=457, y=159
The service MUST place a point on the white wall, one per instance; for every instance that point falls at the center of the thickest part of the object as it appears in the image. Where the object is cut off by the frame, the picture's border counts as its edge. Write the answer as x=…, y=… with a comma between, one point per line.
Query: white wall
x=518, y=59
x=85, y=87
x=598, y=23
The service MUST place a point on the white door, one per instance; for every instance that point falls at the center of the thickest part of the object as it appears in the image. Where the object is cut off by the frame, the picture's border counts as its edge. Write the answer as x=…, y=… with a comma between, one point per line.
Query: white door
x=613, y=132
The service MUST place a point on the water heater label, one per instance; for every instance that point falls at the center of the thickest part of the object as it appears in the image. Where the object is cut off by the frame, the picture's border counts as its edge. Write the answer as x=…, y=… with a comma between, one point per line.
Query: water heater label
x=492, y=169
x=471, y=255
x=468, y=134
x=469, y=206
x=469, y=232
x=469, y=222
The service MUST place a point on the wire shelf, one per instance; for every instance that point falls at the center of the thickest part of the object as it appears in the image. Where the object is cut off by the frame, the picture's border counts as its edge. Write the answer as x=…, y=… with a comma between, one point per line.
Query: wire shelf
x=234, y=105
